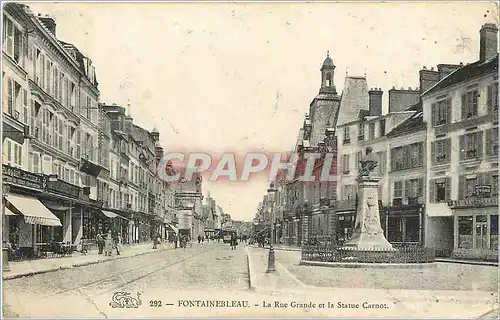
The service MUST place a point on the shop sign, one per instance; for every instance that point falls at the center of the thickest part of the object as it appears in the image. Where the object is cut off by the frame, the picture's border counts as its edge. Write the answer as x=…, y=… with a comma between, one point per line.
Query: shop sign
x=482, y=190
x=23, y=178
x=64, y=188
x=473, y=202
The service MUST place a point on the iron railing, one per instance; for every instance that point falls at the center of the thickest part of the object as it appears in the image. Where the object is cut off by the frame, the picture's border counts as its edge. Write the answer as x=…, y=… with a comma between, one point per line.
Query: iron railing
x=402, y=254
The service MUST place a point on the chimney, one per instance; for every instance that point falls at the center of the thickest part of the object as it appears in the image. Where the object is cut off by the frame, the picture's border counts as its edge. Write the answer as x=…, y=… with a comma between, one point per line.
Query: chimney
x=49, y=23
x=401, y=100
x=375, y=101
x=488, y=44
x=427, y=79
x=446, y=69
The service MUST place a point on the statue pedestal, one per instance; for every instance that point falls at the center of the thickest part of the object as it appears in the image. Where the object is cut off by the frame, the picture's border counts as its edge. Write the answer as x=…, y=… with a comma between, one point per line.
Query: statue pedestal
x=367, y=233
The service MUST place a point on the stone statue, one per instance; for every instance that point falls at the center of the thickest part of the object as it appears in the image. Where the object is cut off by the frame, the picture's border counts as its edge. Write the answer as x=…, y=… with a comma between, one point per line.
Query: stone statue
x=367, y=233
x=371, y=225
x=367, y=164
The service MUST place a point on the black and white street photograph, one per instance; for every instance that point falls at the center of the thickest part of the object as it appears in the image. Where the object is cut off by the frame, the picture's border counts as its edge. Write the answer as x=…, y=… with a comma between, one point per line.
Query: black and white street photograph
x=244, y=159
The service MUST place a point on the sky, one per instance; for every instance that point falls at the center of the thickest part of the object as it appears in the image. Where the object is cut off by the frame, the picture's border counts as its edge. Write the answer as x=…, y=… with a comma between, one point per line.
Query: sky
x=239, y=77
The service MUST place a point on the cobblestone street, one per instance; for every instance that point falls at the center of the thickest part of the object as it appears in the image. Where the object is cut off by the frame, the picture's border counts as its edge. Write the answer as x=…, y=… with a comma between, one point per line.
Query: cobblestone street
x=211, y=265
x=441, y=276
x=166, y=282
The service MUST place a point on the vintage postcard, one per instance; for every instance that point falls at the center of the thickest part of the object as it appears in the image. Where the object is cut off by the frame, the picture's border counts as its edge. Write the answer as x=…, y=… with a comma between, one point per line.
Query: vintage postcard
x=250, y=159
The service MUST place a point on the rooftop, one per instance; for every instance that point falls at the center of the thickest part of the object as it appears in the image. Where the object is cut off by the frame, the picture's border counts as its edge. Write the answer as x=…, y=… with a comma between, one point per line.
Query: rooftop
x=413, y=124
x=465, y=73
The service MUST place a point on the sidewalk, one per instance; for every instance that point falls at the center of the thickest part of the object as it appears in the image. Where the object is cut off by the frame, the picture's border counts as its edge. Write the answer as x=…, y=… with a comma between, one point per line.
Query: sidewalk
x=300, y=283
x=31, y=267
x=284, y=247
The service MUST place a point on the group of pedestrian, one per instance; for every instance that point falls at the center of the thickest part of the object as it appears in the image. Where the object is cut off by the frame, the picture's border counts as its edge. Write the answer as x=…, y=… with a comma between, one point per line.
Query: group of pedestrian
x=201, y=239
x=106, y=243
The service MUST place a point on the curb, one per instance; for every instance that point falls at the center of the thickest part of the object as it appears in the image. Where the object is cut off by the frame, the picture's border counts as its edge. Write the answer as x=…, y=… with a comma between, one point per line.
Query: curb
x=276, y=248
x=479, y=263
x=76, y=265
x=367, y=265
x=251, y=272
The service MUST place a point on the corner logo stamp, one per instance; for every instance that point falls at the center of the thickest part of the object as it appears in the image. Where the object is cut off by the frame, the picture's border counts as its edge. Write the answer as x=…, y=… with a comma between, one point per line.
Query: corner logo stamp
x=123, y=299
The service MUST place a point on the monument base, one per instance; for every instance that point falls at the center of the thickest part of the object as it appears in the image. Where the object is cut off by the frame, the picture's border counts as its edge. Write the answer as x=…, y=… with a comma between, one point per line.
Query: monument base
x=371, y=242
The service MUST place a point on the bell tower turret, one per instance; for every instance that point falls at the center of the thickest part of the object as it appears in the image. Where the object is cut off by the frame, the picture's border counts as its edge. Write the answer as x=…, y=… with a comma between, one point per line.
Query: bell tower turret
x=327, y=75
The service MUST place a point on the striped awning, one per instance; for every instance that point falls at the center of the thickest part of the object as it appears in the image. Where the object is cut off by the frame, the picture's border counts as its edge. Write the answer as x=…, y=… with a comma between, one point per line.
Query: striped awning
x=33, y=210
x=9, y=213
x=171, y=226
x=112, y=215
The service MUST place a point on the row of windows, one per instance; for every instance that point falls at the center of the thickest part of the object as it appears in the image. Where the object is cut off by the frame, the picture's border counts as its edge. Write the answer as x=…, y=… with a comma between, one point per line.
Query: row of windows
x=380, y=156
x=442, y=110
x=407, y=157
x=440, y=188
x=472, y=146
x=361, y=131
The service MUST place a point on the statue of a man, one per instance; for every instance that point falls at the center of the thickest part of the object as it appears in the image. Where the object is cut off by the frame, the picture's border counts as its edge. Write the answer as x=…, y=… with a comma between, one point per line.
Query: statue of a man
x=367, y=164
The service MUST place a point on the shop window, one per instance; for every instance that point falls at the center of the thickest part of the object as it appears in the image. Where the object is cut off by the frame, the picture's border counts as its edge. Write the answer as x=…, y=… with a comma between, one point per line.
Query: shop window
x=412, y=229
x=395, y=230
x=465, y=232
x=481, y=232
x=494, y=232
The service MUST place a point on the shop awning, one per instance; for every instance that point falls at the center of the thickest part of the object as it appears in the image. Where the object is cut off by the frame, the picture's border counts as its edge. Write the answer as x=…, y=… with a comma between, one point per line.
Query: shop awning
x=33, y=210
x=9, y=213
x=172, y=227
x=112, y=215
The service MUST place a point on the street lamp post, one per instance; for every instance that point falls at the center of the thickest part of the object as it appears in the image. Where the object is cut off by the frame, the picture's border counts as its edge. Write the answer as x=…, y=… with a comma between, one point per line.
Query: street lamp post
x=5, y=252
x=271, y=260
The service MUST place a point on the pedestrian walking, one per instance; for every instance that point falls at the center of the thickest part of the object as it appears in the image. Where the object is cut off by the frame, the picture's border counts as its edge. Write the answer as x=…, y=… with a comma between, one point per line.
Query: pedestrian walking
x=199, y=239
x=100, y=242
x=118, y=244
x=155, y=242
x=175, y=240
x=108, y=245
x=234, y=241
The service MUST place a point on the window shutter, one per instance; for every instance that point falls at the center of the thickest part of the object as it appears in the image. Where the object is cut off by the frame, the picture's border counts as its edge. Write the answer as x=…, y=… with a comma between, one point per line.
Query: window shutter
x=448, y=111
x=462, y=147
x=448, y=188
x=421, y=183
x=464, y=104
x=461, y=187
x=489, y=102
x=447, y=149
x=480, y=144
x=433, y=153
x=407, y=189
x=434, y=114
x=488, y=145
x=432, y=190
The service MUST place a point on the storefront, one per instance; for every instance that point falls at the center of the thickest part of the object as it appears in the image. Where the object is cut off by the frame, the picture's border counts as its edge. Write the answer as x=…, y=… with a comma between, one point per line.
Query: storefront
x=475, y=228
x=39, y=209
x=404, y=224
x=346, y=212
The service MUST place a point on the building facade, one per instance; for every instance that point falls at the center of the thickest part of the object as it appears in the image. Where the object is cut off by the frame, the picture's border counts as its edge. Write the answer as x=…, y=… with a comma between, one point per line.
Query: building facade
x=72, y=167
x=461, y=112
